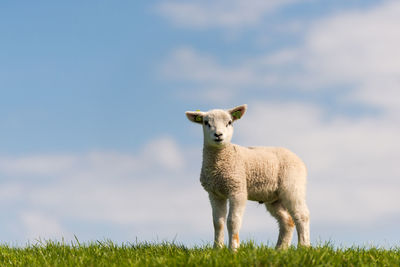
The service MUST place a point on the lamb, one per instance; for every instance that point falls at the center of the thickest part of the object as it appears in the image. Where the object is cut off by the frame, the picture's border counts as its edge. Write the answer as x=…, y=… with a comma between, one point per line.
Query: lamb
x=270, y=175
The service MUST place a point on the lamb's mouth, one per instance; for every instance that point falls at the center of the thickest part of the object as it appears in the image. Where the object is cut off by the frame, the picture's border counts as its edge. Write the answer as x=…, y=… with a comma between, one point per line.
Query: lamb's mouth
x=218, y=140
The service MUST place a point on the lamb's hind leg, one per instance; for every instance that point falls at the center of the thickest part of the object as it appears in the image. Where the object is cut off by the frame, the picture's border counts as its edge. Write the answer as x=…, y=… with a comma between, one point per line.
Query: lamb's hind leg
x=301, y=216
x=293, y=198
x=219, y=216
x=285, y=221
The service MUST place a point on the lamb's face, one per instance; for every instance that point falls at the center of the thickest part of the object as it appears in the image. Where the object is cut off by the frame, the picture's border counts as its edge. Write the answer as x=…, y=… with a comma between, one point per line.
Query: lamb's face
x=217, y=124
x=217, y=128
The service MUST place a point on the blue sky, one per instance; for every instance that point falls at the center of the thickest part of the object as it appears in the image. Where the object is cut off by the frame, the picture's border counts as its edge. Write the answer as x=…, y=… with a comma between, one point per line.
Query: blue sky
x=94, y=141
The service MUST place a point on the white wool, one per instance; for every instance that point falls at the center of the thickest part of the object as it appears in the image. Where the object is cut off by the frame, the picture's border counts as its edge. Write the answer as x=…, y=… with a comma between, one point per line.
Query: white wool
x=232, y=173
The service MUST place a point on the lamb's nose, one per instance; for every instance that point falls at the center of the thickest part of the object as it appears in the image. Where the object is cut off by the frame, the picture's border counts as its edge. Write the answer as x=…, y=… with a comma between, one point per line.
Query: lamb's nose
x=218, y=134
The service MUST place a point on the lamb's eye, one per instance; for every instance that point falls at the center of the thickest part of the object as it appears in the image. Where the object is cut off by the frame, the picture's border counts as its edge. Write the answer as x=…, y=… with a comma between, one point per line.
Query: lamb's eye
x=206, y=123
x=229, y=123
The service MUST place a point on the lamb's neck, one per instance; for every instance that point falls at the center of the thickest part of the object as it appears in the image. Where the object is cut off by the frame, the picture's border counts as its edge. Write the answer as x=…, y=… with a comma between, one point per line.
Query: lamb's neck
x=215, y=153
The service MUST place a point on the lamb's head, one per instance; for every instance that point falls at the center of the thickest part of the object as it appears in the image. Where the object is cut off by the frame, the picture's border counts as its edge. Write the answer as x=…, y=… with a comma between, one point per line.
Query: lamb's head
x=217, y=124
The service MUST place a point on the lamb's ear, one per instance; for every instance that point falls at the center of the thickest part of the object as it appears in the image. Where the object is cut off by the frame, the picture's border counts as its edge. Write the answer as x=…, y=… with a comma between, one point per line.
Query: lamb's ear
x=195, y=116
x=238, y=112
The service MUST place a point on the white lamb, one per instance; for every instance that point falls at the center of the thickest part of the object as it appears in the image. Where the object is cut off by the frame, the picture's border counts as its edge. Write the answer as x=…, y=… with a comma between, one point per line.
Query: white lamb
x=270, y=175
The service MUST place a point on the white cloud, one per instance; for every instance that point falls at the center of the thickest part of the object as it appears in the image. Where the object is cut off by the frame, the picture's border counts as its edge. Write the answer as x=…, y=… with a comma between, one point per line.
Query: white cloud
x=165, y=152
x=188, y=65
x=360, y=49
x=216, y=82
x=36, y=164
x=10, y=191
x=152, y=187
x=355, y=45
x=356, y=51
x=40, y=226
x=220, y=13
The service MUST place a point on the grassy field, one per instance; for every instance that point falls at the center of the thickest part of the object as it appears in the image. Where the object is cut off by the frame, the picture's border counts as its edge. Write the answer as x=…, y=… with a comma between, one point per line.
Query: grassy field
x=166, y=254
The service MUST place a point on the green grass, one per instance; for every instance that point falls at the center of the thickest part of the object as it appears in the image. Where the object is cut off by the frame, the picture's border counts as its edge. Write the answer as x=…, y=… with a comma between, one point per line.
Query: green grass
x=166, y=254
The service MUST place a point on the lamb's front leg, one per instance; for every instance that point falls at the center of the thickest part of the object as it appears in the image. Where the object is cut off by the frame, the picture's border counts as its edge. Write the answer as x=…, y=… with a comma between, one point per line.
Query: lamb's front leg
x=237, y=205
x=219, y=216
